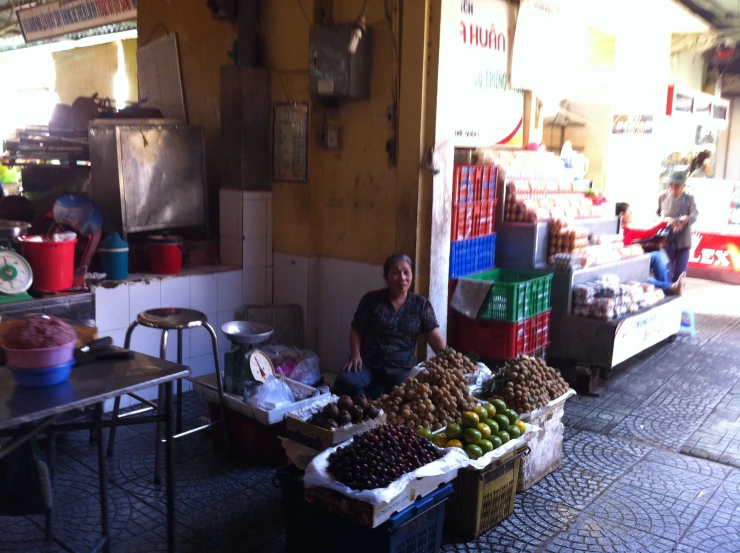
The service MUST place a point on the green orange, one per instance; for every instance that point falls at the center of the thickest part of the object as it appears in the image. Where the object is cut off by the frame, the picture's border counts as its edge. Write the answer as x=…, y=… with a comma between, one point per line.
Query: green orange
x=486, y=446
x=473, y=451
x=470, y=419
x=499, y=405
x=492, y=424
x=453, y=431
x=471, y=436
x=502, y=421
x=504, y=436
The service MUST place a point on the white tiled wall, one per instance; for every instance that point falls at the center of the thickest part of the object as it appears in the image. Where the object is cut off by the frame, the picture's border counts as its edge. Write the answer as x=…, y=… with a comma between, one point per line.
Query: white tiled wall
x=328, y=290
x=246, y=241
x=218, y=295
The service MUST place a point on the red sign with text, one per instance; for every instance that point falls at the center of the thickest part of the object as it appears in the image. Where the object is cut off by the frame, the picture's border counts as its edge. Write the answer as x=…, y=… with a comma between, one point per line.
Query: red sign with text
x=717, y=252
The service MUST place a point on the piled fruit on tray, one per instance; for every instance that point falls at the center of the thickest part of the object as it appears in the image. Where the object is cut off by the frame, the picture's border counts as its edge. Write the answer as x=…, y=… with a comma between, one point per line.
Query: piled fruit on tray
x=345, y=411
x=435, y=397
x=485, y=428
x=526, y=383
x=381, y=456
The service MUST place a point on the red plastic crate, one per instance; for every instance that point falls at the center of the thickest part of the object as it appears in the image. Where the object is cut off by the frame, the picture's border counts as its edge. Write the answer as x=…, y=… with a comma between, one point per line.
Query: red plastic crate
x=473, y=183
x=473, y=220
x=502, y=340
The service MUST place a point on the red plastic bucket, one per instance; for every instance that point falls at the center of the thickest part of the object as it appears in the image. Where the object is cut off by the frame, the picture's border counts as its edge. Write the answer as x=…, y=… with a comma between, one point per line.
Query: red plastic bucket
x=165, y=254
x=53, y=263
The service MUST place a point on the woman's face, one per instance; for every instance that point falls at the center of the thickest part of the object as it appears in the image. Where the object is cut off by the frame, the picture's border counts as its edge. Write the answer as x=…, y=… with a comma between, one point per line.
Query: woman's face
x=627, y=216
x=399, y=278
x=677, y=189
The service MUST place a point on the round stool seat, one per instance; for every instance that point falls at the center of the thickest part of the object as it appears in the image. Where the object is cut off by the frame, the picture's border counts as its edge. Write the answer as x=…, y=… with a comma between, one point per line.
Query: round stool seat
x=171, y=318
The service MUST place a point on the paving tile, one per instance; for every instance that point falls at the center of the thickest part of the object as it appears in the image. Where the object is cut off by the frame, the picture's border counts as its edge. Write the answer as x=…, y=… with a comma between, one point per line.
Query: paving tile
x=720, y=448
x=23, y=534
x=193, y=480
x=671, y=482
x=601, y=455
x=593, y=535
x=596, y=420
x=536, y=519
x=569, y=433
x=717, y=528
x=655, y=429
x=647, y=511
x=572, y=486
x=684, y=462
x=243, y=521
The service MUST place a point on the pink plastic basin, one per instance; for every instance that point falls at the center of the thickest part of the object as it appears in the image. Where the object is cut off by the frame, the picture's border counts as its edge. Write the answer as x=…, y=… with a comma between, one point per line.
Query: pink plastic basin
x=41, y=358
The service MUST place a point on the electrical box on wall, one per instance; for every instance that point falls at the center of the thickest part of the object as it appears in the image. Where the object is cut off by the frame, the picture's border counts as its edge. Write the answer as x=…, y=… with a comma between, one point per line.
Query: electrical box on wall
x=340, y=61
x=330, y=136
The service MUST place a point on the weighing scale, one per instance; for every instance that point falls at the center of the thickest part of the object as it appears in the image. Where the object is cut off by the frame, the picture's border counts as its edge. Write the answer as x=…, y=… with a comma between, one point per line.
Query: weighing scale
x=246, y=366
x=16, y=275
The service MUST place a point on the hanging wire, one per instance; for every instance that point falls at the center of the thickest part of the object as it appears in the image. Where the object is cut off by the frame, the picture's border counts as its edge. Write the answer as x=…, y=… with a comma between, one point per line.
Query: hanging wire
x=303, y=11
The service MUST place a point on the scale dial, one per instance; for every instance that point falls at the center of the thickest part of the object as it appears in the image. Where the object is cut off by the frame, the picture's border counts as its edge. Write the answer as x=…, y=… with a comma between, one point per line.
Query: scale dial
x=16, y=275
x=260, y=366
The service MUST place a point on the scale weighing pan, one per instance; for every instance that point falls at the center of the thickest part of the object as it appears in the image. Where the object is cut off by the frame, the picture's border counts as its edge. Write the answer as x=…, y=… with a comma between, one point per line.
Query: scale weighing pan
x=247, y=332
x=13, y=229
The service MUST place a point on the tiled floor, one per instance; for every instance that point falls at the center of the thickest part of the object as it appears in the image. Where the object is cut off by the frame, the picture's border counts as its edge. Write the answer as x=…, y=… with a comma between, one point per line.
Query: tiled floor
x=650, y=465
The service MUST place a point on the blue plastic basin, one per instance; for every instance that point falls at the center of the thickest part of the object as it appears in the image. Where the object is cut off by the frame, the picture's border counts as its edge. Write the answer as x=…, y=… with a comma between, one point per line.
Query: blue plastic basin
x=40, y=378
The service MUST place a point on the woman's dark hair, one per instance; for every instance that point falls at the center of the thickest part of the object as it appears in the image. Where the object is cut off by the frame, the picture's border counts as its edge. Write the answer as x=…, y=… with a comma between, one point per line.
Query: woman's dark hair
x=699, y=160
x=396, y=258
x=622, y=207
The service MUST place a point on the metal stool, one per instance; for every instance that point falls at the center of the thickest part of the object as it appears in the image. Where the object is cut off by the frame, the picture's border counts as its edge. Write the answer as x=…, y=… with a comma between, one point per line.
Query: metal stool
x=166, y=319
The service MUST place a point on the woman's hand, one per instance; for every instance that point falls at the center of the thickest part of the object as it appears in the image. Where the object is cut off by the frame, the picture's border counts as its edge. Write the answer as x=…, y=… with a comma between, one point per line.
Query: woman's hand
x=353, y=365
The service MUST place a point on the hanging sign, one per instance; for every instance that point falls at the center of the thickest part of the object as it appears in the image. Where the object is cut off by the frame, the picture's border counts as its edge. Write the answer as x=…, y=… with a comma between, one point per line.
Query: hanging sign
x=290, y=142
x=476, y=105
x=632, y=124
x=549, y=48
x=57, y=18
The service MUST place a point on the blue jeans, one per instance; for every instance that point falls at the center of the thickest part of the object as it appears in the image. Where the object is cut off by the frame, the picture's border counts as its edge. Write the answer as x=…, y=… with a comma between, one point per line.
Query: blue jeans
x=372, y=383
x=678, y=261
x=659, y=271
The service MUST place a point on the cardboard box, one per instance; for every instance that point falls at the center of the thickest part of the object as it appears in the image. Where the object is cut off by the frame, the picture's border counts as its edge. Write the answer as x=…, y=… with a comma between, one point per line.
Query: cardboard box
x=297, y=422
x=375, y=515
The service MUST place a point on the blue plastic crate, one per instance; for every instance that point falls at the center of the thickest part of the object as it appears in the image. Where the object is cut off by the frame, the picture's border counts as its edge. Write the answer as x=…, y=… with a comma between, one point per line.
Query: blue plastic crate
x=416, y=529
x=472, y=256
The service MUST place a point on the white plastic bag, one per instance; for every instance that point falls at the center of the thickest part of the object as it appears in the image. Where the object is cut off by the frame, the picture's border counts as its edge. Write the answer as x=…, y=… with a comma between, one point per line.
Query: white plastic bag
x=300, y=365
x=272, y=394
x=317, y=475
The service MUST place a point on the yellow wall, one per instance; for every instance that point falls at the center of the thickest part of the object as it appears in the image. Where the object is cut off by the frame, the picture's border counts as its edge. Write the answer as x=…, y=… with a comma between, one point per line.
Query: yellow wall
x=204, y=44
x=99, y=66
x=348, y=208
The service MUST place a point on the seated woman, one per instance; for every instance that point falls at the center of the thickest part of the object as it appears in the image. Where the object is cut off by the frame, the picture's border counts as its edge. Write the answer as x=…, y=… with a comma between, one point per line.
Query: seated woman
x=385, y=330
x=658, y=266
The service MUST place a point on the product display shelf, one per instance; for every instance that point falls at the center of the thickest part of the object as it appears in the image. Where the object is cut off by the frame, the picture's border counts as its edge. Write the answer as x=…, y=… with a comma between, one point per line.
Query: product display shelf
x=605, y=344
x=525, y=245
x=586, y=349
x=634, y=268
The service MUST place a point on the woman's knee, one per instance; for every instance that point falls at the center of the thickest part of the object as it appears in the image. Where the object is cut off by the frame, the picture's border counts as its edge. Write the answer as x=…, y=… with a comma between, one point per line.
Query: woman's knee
x=350, y=383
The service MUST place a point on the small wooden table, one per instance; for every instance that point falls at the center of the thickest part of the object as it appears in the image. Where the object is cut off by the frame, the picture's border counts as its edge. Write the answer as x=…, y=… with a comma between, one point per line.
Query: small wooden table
x=90, y=384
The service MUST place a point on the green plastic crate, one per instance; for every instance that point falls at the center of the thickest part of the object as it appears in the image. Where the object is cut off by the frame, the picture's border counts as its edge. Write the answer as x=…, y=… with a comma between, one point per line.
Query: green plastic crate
x=515, y=295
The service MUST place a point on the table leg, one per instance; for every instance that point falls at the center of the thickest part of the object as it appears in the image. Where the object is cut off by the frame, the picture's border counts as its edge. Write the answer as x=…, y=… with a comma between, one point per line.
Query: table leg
x=50, y=463
x=161, y=401
x=179, y=383
x=102, y=477
x=169, y=467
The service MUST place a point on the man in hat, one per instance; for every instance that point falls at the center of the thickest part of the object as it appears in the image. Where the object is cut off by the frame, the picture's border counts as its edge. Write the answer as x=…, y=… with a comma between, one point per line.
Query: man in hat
x=678, y=209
